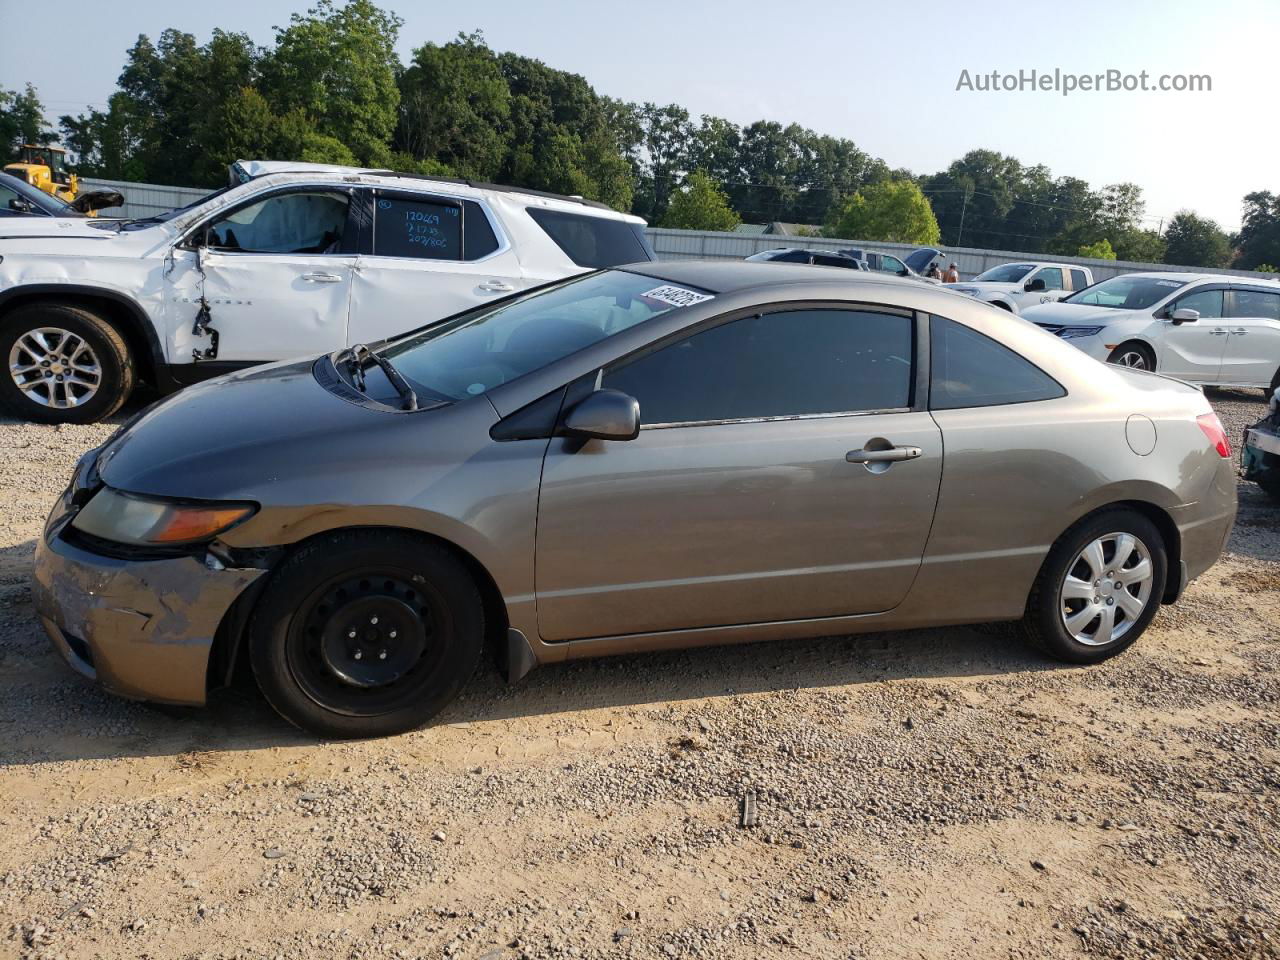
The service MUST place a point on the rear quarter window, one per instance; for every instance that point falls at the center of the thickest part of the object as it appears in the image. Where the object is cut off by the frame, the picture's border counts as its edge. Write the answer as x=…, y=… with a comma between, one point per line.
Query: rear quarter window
x=968, y=369
x=593, y=241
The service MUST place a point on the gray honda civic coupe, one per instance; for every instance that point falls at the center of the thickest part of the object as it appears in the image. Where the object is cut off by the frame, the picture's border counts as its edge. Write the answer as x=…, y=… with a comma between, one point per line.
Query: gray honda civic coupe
x=650, y=457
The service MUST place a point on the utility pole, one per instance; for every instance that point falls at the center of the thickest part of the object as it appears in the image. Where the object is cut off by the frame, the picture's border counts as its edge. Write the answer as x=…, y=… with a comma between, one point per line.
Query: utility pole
x=963, y=205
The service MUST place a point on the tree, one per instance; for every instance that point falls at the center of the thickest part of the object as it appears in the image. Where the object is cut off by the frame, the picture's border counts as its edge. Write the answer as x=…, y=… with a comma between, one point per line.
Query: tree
x=338, y=66
x=895, y=210
x=1259, y=237
x=1195, y=241
x=700, y=205
x=1098, y=251
x=455, y=106
x=22, y=121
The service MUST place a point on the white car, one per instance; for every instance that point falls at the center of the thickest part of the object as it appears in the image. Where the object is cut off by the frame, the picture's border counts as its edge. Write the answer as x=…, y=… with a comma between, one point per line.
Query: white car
x=1205, y=328
x=292, y=260
x=1016, y=286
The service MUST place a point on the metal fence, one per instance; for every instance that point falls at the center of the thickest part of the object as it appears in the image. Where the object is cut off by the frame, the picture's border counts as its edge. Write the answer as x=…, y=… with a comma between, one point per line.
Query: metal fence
x=699, y=244
x=146, y=199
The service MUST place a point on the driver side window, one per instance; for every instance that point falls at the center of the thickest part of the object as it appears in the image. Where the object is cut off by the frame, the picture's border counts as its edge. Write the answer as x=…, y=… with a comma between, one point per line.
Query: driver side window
x=1207, y=302
x=286, y=223
x=892, y=265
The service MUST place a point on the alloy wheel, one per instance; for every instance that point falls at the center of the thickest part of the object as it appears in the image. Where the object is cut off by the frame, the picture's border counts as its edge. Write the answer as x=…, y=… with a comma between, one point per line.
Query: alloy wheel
x=1132, y=358
x=55, y=368
x=1106, y=589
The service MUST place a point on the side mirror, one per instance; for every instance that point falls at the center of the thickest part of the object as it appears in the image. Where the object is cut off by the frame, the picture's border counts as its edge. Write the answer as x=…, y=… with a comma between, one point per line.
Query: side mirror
x=19, y=205
x=1184, y=315
x=604, y=415
x=1035, y=286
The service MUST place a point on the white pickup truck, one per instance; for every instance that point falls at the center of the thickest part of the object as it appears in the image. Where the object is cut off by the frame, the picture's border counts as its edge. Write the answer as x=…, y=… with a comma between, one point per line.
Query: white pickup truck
x=1016, y=286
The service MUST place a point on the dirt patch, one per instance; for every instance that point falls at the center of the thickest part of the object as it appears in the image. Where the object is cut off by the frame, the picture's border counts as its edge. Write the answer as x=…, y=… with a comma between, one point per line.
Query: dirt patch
x=941, y=793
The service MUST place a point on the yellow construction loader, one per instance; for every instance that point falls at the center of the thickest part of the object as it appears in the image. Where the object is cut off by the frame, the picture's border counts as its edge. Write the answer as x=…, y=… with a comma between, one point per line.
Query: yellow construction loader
x=45, y=168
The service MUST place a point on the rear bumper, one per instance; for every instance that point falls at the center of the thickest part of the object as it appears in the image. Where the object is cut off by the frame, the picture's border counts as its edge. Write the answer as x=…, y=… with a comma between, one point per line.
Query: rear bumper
x=1205, y=527
x=142, y=629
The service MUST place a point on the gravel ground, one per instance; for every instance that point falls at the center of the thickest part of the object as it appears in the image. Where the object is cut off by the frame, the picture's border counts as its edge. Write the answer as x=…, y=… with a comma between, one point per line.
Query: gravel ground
x=937, y=793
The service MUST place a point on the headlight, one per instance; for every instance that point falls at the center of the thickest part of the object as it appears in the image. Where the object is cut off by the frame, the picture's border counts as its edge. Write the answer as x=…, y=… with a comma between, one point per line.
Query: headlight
x=127, y=518
x=1071, y=333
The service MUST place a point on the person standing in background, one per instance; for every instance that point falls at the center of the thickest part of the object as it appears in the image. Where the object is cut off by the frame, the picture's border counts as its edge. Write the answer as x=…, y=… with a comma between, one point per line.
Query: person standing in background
x=952, y=275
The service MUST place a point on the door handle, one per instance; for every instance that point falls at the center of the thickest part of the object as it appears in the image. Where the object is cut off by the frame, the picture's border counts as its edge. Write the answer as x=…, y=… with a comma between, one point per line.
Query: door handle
x=496, y=286
x=891, y=455
x=1239, y=332
x=1218, y=332
x=321, y=278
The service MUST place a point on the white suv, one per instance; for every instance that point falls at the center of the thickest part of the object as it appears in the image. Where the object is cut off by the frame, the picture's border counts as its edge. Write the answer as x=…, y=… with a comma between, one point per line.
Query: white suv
x=1205, y=328
x=1016, y=286
x=291, y=260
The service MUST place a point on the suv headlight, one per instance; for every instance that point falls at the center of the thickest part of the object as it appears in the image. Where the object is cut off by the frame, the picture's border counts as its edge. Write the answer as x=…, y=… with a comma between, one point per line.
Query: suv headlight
x=128, y=518
x=1072, y=333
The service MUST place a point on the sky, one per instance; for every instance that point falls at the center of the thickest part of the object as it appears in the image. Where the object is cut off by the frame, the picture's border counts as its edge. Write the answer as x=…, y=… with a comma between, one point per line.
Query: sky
x=883, y=75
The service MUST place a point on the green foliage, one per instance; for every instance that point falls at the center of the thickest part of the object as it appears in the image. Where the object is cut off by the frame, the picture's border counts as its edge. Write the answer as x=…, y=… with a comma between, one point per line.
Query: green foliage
x=700, y=205
x=892, y=210
x=454, y=106
x=1266, y=268
x=22, y=121
x=1259, y=237
x=338, y=66
x=1195, y=241
x=330, y=88
x=1098, y=251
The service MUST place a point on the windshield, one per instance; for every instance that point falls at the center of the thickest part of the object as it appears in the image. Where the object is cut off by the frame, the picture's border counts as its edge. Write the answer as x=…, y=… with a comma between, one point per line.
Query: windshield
x=1132, y=292
x=1005, y=273
x=170, y=214
x=479, y=350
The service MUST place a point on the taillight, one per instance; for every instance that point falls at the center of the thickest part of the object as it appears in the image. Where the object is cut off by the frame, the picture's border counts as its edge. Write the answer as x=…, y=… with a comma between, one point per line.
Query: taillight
x=1212, y=427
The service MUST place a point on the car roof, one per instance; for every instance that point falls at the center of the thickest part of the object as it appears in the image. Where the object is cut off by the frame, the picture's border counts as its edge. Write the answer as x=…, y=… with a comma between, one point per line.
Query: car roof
x=1189, y=277
x=246, y=170
x=729, y=276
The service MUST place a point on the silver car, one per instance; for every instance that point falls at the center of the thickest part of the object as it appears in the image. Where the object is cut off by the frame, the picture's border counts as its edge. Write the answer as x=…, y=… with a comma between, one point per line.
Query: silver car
x=642, y=458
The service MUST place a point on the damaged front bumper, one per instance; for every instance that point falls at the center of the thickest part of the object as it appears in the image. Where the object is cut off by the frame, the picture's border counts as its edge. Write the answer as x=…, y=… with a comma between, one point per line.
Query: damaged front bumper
x=142, y=628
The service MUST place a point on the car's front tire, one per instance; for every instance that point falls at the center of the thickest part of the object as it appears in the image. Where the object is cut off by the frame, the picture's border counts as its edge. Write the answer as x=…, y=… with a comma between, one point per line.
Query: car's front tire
x=64, y=364
x=1137, y=356
x=366, y=633
x=1099, y=588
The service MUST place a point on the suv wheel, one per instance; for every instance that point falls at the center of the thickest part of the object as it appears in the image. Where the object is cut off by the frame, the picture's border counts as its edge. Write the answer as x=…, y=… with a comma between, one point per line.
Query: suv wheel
x=64, y=364
x=366, y=633
x=1135, y=355
x=1099, y=588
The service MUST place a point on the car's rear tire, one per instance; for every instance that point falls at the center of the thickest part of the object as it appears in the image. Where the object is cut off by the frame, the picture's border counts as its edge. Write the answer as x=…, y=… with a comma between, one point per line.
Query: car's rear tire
x=1137, y=356
x=63, y=364
x=1112, y=565
x=366, y=633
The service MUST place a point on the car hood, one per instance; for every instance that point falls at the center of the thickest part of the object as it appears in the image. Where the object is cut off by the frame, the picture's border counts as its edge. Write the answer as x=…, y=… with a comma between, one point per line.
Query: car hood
x=1073, y=313
x=236, y=436
x=919, y=260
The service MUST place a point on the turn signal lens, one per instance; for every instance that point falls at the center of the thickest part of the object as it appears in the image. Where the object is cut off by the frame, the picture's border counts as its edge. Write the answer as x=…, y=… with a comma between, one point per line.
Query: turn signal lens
x=126, y=518
x=1212, y=427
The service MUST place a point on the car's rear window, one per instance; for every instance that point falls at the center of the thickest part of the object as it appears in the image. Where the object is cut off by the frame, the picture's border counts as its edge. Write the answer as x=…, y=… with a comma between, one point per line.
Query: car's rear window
x=593, y=241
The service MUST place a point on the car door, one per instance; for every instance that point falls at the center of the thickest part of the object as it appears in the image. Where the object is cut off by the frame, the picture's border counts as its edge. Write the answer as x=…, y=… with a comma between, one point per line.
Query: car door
x=1194, y=350
x=784, y=471
x=1252, y=354
x=1053, y=288
x=890, y=264
x=423, y=257
x=275, y=272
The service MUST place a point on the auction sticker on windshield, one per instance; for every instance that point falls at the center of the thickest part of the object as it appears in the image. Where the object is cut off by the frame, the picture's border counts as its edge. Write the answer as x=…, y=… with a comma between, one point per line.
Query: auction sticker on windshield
x=675, y=296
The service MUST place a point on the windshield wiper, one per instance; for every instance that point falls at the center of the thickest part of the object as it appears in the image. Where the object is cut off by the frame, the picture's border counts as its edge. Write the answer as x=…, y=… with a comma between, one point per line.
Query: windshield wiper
x=360, y=356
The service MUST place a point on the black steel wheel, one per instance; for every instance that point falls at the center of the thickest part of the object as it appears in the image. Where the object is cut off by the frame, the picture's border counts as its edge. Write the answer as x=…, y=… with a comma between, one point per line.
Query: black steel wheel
x=366, y=633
